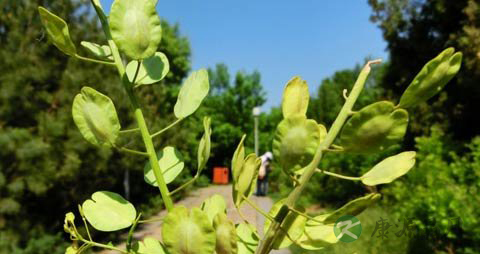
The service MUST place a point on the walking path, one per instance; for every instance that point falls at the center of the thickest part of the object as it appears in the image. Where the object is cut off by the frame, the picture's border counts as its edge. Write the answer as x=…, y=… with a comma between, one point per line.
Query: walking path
x=195, y=199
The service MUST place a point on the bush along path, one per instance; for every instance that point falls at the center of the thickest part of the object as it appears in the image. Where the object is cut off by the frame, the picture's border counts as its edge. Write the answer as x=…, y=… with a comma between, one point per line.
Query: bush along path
x=195, y=199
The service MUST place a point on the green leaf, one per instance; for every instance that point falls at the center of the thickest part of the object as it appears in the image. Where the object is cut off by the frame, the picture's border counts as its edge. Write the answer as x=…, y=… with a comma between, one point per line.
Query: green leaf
x=57, y=31
x=353, y=208
x=432, y=78
x=317, y=235
x=295, y=98
x=192, y=93
x=247, y=239
x=108, y=211
x=390, y=169
x=149, y=246
x=185, y=233
x=237, y=159
x=135, y=27
x=71, y=250
x=204, y=146
x=96, y=117
x=246, y=180
x=171, y=163
x=152, y=70
x=374, y=128
x=293, y=223
x=213, y=206
x=101, y=51
x=296, y=141
x=226, y=235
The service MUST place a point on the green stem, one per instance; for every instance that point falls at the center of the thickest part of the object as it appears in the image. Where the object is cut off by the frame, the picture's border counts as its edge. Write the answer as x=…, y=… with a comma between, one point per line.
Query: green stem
x=352, y=178
x=130, y=130
x=266, y=243
x=166, y=128
x=93, y=60
x=124, y=149
x=142, y=125
x=305, y=215
x=130, y=232
x=184, y=185
x=150, y=220
x=254, y=206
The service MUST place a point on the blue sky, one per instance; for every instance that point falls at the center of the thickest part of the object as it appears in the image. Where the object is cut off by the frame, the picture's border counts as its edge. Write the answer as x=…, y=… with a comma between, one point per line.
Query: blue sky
x=310, y=38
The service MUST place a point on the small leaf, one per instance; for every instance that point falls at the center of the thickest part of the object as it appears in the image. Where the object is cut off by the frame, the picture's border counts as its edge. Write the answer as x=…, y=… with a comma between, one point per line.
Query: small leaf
x=374, y=128
x=295, y=98
x=247, y=239
x=96, y=117
x=246, y=180
x=98, y=50
x=432, y=78
x=152, y=70
x=108, y=211
x=295, y=143
x=171, y=163
x=317, y=235
x=192, y=93
x=353, y=208
x=213, y=206
x=57, y=31
x=293, y=223
x=226, y=235
x=237, y=159
x=185, y=233
x=149, y=246
x=71, y=250
x=135, y=27
x=204, y=146
x=390, y=169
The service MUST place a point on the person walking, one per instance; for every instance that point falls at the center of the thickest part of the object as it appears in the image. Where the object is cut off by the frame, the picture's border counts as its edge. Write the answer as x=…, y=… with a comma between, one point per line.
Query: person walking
x=262, y=182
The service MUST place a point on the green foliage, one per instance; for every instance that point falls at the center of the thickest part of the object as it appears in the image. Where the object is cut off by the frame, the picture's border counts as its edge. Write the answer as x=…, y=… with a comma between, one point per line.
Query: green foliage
x=415, y=32
x=244, y=174
x=295, y=98
x=192, y=93
x=443, y=207
x=389, y=169
x=149, y=245
x=293, y=225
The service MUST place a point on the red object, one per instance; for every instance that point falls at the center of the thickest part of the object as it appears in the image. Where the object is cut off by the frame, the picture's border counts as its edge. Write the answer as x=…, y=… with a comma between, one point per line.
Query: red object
x=220, y=175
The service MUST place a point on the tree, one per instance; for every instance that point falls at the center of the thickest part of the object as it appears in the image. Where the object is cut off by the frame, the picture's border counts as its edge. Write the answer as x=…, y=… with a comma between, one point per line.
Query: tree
x=230, y=106
x=415, y=32
x=45, y=162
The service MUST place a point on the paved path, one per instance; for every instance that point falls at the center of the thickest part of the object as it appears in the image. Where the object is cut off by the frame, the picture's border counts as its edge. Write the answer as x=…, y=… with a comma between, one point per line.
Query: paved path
x=196, y=197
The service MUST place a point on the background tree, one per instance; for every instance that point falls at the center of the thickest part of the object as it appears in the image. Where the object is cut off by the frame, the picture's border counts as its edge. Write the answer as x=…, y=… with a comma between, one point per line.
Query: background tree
x=45, y=162
x=416, y=31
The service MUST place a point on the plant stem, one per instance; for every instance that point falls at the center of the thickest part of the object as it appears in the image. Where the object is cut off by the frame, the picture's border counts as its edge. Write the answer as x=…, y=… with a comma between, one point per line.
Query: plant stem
x=184, y=185
x=266, y=243
x=142, y=125
x=93, y=60
x=130, y=232
x=352, y=178
x=166, y=128
x=130, y=130
x=124, y=149
x=254, y=206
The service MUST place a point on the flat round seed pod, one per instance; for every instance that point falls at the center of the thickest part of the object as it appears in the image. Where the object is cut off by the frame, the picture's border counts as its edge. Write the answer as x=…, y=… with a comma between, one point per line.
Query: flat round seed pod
x=188, y=233
x=295, y=143
x=135, y=27
x=96, y=117
x=374, y=128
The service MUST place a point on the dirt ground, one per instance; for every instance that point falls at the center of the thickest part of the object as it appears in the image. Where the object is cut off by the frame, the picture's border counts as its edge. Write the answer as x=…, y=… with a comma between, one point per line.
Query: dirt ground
x=196, y=197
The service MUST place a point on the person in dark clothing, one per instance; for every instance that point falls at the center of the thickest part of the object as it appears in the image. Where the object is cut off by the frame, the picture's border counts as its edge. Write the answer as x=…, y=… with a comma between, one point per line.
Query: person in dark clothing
x=262, y=182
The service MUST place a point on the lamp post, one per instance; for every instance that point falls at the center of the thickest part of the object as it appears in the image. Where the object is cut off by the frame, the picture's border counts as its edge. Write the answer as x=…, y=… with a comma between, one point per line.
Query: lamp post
x=256, y=114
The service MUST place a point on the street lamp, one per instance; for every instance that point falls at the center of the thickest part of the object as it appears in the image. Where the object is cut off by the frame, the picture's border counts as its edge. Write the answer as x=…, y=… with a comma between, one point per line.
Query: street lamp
x=256, y=113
